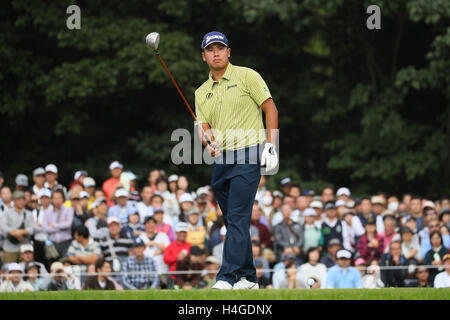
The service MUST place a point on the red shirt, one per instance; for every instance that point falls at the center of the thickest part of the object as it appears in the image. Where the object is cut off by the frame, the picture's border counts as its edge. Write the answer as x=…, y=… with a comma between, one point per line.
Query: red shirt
x=109, y=187
x=171, y=254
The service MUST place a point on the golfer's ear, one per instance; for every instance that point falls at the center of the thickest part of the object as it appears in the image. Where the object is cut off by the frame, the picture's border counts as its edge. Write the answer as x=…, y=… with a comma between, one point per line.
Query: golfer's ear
x=229, y=52
x=203, y=56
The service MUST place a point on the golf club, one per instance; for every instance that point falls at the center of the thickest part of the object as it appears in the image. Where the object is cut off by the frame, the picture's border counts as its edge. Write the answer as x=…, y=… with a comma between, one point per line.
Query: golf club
x=152, y=41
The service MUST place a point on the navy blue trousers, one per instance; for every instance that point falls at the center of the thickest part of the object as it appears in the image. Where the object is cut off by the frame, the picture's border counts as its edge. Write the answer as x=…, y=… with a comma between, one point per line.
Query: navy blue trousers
x=234, y=186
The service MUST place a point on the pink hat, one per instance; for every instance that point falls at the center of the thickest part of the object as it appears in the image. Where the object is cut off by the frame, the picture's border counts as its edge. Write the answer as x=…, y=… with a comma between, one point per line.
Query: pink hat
x=360, y=261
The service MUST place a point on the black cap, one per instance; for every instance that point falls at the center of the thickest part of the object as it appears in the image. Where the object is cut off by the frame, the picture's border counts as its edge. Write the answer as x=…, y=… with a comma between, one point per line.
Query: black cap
x=138, y=243
x=329, y=205
x=148, y=218
x=196, y=251
x=371, y=220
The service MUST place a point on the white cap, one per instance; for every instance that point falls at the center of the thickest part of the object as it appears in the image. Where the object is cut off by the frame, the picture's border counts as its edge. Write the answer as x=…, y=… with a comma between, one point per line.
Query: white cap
x=340, y=203
x=285, y=181
x=343, y=191
x=79, y=173
x=173, y=178
x=343, y=253
x=38, y=171
x=121, y=192
x=429, y=204
x=181, y=226
x=316, y=204
x=309, y=212
x=202, y=190
x=131, y=176
x=88, y=182
x=115, y=164
x=26, y=247
x=56, y=266
x=22, y=180
x=186, y=197
x=223, y=231
x=45, y=193
x=51, y=168
x=112, y=219
x=84, y=194
x=14, y=267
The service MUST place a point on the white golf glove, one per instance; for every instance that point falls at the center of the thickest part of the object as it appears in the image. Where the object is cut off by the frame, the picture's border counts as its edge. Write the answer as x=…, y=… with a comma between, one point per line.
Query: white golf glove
x=269, y=157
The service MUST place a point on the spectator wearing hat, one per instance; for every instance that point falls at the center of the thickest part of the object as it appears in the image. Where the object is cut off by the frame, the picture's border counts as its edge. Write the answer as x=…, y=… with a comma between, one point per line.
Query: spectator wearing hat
x=170, y=203
x=34, y=276
x=173, y=179
x=27, y=257
x=110, y=185
x=410, y=248
x=435, y=255
x=311, y=233
x=158, y=214
x=389, y=233
x=372, y=279
x=370, y=246
x=331, y=226
x=343, y=194
x=342, y=275
x=186, y=202
x=218, y=248
x=97, y=225
x=265, y=237
x=178, y=249
x=123, y=207
x=89, y=187
x=84, y=250
x=138, y=271
x=329, y=259
x=80, y=214
x=193, y=262
x=442, y=280
x=287, y=234
x=317, y=205
x=208, y=278
x=51, y=182
x=21, y=182
x=134, y=228
x=14, y=282
x=58, y=223
x=101, y=281
x=59, y=280
x=196, y=234
x=394, y=258
x=78, y=178
x=425, y=245
x=39, y=180
x=155, y=245
x=285, y=185
x=18, y=226
x=312, y=268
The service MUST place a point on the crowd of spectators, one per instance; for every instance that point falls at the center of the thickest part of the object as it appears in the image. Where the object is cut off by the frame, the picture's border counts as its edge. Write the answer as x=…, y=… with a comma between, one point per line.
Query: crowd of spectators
x=112, y=236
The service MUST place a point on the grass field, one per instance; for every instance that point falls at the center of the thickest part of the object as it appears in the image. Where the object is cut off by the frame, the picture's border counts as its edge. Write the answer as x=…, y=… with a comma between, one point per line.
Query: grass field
x=302, y=294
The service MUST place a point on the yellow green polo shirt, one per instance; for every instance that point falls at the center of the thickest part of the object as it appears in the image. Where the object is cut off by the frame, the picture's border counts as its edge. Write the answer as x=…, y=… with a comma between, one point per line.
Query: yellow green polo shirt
x=231, y=106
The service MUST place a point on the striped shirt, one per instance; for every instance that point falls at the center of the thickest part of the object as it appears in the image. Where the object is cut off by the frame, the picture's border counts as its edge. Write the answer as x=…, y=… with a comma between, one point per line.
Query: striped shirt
x=233, y=103
x=121, y=246
x=77, y=249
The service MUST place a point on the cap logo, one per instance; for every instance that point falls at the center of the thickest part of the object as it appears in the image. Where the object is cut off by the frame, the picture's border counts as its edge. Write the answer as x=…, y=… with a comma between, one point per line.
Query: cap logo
x=213, y=37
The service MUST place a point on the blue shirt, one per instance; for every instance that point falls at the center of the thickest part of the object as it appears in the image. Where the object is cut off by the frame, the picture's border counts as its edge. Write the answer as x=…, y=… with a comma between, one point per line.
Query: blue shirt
x=338, y=278
x=121, y=213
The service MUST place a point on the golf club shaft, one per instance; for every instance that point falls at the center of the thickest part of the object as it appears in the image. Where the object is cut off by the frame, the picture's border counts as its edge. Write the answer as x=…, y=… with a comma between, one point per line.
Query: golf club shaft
x=184, y=99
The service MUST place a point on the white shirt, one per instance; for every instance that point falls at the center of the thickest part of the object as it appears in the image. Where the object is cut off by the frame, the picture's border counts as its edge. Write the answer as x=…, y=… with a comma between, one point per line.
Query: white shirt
x=277, y=218
x=442, y=280
x=162, y=238
x=297, y=216
x=307, y=270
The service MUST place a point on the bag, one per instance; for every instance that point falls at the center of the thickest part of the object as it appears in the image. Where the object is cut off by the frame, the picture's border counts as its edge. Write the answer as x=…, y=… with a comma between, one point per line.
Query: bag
x=50, y=251
x=14, y=240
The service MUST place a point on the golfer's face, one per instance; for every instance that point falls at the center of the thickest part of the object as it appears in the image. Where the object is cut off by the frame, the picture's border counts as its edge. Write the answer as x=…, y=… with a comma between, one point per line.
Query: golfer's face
x=216, y=56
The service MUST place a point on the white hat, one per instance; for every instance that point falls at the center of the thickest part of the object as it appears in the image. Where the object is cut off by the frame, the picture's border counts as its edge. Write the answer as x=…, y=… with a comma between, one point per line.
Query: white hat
x=22, y=180
x=343, y=191
x=377, y=200
x=309, y=212
x=202, y=190
x=51, y=168
x=131, y=176
x=115, y=164
x=14, y=267
x=285, y=181
x=45, y=193
x=316, y=204
x=173, y=178
x=340, y=203
x=121, y=192
x=343, y=253
x=223, y=231
x=79, y=173
x=181, y=226
x=56, y=266
x=38, y=171
x=112, y=219
x=84, y=194
x=429, y=204
x=186, y=197
x=88, y=182
x=26, y=247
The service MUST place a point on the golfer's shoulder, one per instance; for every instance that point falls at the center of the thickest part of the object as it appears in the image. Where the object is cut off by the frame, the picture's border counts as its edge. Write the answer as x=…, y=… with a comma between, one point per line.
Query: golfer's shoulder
x=245, y=72
x=204, y=87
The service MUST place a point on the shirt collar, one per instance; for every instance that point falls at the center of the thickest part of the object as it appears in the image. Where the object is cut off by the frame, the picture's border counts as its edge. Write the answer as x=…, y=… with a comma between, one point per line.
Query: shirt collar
x=226, y=75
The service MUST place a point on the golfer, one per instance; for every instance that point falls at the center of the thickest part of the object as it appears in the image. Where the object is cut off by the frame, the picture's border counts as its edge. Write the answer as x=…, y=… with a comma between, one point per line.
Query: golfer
x=229, y=107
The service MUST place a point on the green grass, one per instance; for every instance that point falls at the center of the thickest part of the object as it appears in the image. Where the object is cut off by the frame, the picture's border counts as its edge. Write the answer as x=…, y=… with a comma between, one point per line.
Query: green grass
x=302, y=294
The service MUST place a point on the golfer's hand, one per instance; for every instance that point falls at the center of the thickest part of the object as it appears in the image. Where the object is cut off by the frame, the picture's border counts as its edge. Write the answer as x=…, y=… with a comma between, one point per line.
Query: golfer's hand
x=213, y=151
x=269, y=157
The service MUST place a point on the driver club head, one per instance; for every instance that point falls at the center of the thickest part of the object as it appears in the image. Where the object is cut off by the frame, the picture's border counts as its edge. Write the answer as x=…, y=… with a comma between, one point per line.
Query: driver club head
x=152, y=40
